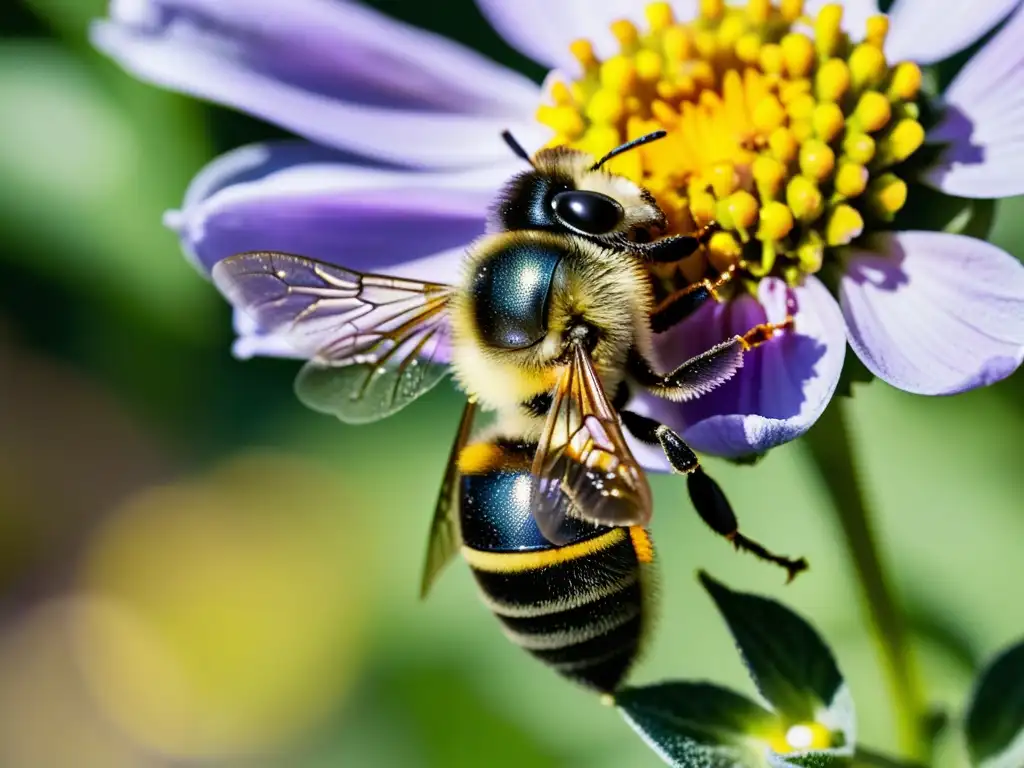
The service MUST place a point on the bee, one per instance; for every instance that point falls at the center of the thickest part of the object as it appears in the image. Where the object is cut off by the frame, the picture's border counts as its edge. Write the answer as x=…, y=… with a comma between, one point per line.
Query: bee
x=550, y=327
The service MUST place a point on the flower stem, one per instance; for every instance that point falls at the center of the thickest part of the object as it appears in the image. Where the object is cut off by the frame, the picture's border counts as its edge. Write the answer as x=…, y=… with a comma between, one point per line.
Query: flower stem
x=832, y=453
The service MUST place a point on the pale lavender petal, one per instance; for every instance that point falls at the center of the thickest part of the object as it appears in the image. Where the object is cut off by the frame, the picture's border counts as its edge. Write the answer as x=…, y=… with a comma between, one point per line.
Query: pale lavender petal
x=935, y=313
x=334, y=72
x=543, y=29
x=927, y=31
x=783, y=386
x=982, y=121
x=288, y=198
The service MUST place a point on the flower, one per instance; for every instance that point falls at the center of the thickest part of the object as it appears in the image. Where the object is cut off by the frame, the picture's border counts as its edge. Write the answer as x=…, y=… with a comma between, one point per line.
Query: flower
x=800, y=129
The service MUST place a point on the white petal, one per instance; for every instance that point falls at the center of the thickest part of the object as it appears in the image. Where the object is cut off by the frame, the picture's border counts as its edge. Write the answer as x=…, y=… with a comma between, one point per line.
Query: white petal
x=927, y=31
x=982, y=122
x=935, y=313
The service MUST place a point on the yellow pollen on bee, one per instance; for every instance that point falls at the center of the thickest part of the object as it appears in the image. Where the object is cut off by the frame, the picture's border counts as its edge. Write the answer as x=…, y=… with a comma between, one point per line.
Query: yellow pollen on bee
x=786, y=134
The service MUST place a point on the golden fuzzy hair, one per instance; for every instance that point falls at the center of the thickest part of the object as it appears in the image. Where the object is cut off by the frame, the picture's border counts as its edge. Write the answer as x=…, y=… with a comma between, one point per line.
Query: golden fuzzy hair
x=607, y=289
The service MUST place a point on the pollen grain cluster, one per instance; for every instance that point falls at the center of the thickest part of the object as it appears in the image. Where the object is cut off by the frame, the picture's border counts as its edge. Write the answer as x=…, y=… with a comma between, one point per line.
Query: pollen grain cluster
x=781, y=128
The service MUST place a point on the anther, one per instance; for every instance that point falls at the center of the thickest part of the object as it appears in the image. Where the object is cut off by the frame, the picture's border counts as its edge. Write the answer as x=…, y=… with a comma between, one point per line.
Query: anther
x=648, y=65
x=758, y=11
x=712, y=9
x=748, y=48
x=797, y=54
x=810, y=253
x=676, y=42
x=851, y=179
x=768, y=175
x=827, y=29
x=906, y=81
x=827, y=121
x=859, y=147
x=867, y=66
x=776, y=221
x=791, y=10
x=723, y=179
x=618, y=74
x=844, y=224
x=626, y=34
x=886, y=195
x=905, y=138
x=872, y=111
x=742, y=209
x=877, y=29
x=659, y=16
x=583, y=52
x=605, y=106
x=783, y=145
x=832, y=80
x=804, y=198
x=817, y=160
x=724, y=250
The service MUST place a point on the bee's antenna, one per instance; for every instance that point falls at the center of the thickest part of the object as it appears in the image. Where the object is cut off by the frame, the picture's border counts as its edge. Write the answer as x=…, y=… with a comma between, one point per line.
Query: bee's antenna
x=646, y=139
x=515, y=146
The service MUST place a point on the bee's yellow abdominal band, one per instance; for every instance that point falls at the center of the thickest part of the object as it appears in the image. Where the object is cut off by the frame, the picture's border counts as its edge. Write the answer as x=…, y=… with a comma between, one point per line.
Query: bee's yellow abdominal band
x=781, y=136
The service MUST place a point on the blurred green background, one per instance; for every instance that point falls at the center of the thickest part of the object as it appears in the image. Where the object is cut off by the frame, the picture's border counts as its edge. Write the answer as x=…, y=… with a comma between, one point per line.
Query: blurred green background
x=195, y=570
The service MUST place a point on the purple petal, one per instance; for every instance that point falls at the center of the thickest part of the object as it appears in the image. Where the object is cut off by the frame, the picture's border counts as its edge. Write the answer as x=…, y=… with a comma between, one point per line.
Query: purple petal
x=985, y=156
x=543, y=29
x=335, y=72
x=783, y=386
x=299, y=199
x=927, y=31
x=935, y=313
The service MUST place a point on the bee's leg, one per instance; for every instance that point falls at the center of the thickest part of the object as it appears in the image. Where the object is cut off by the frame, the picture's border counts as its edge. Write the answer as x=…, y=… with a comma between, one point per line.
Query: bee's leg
x=702, y=373
x=708, y=498
x=678, y=306
x=669, y=250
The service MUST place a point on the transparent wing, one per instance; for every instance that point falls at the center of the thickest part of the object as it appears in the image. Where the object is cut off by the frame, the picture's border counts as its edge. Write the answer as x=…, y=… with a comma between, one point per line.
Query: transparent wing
x=444, y=537
x=374, y=343
x=583, y=467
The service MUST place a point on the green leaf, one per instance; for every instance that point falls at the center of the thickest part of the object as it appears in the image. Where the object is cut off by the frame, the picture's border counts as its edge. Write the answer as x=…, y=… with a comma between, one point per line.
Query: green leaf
x=698, y=724
x=789, y=662
x=995, y=716
x=817, y=759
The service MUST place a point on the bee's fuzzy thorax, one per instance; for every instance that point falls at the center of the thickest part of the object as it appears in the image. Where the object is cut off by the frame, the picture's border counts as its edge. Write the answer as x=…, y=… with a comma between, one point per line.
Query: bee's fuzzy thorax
x=605, y=289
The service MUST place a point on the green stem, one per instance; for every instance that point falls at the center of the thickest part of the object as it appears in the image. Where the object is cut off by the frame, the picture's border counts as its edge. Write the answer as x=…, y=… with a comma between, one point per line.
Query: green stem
x=832, y=452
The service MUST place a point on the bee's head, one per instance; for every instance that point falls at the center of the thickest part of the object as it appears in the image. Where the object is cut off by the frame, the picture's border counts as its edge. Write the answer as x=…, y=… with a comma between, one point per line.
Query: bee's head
x=566, y=191
x=528, y=296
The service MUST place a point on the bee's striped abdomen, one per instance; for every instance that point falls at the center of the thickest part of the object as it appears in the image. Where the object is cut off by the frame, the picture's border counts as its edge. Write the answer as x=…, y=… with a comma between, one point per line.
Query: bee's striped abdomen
x=579, y=608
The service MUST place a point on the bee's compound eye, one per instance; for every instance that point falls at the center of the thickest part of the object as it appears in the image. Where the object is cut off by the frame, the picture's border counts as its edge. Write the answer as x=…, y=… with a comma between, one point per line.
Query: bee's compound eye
x=587, y=211
x=510, y=294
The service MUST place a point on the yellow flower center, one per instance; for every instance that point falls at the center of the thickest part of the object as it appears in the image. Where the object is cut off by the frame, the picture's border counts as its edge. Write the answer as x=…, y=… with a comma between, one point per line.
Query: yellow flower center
x=782, y=137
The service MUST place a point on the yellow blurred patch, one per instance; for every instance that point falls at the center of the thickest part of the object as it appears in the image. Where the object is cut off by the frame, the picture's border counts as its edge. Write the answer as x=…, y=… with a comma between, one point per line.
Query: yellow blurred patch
x=236, y=607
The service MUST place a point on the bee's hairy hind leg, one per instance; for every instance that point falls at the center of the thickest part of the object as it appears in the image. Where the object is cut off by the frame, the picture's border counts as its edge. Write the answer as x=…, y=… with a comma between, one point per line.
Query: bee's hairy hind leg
x=702, y=373
x=707, y=497
x=715, y=510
